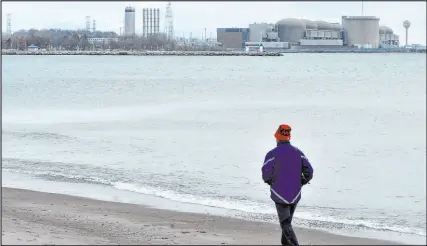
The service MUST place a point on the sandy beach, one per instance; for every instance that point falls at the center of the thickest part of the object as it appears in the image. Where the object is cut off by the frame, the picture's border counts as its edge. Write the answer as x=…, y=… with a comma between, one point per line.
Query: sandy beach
x=30, y=217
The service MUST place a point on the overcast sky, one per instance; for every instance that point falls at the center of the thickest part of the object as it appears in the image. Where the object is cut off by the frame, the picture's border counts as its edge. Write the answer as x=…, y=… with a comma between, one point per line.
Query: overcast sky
x=195, y=16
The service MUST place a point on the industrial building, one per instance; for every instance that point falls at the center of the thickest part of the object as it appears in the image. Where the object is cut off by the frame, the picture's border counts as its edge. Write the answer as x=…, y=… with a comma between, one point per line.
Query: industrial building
x=263, y=32
x=291, y=30
x=387, y=37
x=233, y=38
x=129, y=21
x=361, y=31
x=353, y=32
x=150, y=21
x=295, y=33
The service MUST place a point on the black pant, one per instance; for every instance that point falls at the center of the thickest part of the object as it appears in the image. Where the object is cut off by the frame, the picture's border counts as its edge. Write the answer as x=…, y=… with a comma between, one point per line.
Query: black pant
x=286, y=213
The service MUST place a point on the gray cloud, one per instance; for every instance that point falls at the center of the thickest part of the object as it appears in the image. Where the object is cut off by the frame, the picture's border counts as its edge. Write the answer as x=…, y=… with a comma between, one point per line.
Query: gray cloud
x=195, y=16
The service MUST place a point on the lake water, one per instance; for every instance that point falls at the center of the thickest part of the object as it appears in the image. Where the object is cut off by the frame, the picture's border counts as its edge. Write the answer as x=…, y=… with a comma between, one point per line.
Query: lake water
x=195, y=130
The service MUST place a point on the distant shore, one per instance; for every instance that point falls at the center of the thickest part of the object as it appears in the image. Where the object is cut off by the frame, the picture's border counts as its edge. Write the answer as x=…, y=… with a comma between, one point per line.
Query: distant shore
x=142, y=53
x=31, y=217
x=198, y=53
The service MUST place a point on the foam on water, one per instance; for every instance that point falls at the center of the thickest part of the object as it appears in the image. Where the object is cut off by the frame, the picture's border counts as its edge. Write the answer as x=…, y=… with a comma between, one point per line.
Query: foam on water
x=247, y=206
x=309, y=216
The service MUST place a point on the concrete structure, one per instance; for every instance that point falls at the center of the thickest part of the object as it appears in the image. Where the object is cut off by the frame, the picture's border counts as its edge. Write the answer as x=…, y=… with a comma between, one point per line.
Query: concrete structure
x=257, y=31
x=291, y=30
x=389, y=41
x=262, y=32
x=361, y=31
x=322, y=34
x=321, y=42
x=150, y=21
x=129, y=21
x=233, y=38
x=387, y=38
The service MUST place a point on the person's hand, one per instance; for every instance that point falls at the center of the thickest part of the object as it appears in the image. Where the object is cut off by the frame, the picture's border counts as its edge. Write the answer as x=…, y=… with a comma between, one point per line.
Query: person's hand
x=304, y=181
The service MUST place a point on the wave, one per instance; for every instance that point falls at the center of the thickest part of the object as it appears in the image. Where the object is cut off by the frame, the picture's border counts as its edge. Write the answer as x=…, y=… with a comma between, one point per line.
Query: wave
x=39, y=135
x=229, y=204
x=365, y=223
x=307, y=216
x=254, y=207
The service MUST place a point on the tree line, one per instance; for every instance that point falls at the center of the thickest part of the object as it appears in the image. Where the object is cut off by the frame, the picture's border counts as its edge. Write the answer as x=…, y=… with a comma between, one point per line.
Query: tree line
x=79, y=40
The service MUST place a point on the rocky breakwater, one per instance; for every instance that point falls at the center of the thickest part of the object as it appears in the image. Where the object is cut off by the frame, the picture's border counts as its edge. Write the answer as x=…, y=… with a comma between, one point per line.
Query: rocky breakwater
x=141, y=53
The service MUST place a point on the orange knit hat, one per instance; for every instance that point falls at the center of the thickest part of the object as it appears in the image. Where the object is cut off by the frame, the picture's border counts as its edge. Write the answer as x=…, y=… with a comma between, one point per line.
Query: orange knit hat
x=283, y=133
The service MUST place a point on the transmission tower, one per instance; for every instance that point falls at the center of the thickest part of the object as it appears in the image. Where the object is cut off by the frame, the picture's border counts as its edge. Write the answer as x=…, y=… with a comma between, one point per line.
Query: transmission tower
x=169, y=21
x=88, y=23
x=9, y=23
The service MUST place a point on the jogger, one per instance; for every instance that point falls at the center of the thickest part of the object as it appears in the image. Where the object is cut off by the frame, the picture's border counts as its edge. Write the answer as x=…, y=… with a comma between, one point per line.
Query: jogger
x=286, y=170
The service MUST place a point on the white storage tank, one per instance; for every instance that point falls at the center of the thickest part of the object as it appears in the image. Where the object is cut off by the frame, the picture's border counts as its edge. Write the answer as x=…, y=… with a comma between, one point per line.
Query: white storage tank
x=362, y=30
x=129, y=21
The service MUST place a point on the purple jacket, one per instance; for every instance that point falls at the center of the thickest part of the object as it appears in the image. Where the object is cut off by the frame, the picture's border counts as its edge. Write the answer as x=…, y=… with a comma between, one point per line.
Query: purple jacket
x=286, y=170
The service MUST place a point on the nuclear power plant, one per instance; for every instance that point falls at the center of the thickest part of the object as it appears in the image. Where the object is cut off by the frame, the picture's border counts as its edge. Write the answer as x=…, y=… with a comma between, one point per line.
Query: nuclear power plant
x=354, y=32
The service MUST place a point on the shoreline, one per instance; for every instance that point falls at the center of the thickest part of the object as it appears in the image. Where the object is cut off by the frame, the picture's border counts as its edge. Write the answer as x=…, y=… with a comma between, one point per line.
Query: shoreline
x=140, y=53
x=32, y=217
x=197, y=53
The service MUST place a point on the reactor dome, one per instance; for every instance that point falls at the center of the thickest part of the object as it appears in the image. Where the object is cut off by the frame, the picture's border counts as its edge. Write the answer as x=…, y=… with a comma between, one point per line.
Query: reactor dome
x=323, y=25
x=309, y=25
x=291, y=30
x=336, y=26
x=385, y=30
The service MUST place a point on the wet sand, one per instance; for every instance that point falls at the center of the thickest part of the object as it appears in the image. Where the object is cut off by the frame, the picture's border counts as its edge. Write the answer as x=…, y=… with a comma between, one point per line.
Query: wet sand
x=30, y=217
